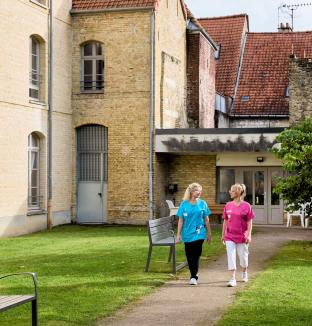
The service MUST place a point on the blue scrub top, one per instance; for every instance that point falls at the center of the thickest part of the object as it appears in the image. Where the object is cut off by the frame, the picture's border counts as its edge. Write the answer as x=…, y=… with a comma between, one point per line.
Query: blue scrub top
x=193, y=216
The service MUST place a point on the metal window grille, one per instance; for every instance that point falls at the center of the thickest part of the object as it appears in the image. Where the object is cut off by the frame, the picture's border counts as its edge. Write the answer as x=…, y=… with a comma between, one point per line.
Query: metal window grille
x=92, y=153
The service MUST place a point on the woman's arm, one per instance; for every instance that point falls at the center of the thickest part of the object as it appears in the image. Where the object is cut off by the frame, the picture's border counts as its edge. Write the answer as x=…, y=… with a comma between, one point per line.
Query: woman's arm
x=208, y=229
x=249, y=229
x=224, y=225
x=180, y=224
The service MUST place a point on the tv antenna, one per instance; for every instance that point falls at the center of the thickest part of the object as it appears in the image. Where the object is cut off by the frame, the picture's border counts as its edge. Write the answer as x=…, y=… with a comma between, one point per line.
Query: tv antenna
x=292, y=8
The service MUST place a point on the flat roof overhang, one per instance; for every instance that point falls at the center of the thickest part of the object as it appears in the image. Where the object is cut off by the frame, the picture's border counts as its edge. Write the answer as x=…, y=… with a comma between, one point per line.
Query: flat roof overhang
x=215, y=140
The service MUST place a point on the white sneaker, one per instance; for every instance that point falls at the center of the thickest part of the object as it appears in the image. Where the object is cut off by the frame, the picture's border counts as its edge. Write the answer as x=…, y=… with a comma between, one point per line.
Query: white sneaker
x=232, y=282
x=245, y=277
x=193, y=281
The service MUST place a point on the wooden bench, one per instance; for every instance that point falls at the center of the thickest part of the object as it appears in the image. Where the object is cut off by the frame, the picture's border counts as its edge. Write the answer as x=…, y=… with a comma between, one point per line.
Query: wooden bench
x=217, y=209
x=11, y=301
x=161, y=233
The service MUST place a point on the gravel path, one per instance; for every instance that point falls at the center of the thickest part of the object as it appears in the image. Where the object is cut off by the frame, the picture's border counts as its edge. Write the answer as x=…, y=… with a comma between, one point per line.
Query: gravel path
x=178, y=303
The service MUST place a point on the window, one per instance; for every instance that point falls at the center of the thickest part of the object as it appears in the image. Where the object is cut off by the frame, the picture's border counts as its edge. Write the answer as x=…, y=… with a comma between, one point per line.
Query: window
x=226, y=178
x=92, y=67
x=34, y=73
x=245, y=98
x=42, y=2
x=33, y=172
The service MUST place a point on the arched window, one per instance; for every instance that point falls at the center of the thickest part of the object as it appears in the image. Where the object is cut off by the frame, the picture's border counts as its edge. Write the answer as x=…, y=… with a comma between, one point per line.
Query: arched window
x=92, y=67
x=34, y=73
x=33, y=172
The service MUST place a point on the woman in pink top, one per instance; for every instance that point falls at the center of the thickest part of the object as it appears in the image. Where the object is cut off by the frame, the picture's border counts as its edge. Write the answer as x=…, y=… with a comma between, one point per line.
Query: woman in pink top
x=236, y=231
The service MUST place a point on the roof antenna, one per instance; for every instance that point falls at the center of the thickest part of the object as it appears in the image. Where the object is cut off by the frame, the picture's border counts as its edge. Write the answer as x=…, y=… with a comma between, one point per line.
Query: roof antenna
x=292, y=7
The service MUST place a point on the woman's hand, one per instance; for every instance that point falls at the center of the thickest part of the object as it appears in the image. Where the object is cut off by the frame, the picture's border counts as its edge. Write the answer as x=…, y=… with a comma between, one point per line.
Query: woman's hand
x=178, y=238
x=222, y=240
x=248, y=239
x=209, y=238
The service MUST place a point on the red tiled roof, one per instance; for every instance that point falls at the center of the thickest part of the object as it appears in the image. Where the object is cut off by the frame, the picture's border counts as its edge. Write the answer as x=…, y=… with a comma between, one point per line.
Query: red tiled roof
x=265, y=70
x=110, y=4
x=227, y=31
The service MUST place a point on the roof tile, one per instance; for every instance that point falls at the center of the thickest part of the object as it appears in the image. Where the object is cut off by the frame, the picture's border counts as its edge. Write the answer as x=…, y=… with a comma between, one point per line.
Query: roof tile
x=265, y=71
x=110, y=4
x=227, y=31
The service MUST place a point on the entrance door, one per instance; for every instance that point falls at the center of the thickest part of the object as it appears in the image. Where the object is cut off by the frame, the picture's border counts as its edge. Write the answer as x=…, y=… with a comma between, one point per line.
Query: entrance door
x=92, y=174
x=256, y=184
x=259, y=184
x=275, y=205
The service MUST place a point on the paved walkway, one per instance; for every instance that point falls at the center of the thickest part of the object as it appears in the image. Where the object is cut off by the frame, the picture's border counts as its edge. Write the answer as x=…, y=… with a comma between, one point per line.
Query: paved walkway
x=177, y=303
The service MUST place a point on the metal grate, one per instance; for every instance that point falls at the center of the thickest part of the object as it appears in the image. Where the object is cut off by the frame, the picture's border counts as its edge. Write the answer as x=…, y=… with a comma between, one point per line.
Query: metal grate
x=92, y=153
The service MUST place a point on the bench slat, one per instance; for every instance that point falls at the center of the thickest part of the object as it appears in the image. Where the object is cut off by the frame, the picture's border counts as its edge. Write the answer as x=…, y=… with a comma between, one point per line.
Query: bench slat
x=160, y=221
x=10, y=301
x=161, y=229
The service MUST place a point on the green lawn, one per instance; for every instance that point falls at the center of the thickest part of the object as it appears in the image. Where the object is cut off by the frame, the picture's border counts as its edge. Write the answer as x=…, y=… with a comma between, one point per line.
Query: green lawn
x=281, y=295
x=84, y=272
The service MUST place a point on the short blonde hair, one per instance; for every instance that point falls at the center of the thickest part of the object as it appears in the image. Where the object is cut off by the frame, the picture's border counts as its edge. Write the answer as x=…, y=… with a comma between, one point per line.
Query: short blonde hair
x=192, y=187
x=240, y=188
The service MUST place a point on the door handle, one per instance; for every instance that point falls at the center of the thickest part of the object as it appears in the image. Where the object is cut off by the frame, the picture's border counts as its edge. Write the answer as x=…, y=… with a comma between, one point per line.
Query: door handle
x=100, y=194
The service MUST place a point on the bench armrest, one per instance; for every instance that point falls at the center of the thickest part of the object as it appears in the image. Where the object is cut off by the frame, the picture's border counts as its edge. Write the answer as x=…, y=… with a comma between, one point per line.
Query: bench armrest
x=34, y=278
x=172, y=233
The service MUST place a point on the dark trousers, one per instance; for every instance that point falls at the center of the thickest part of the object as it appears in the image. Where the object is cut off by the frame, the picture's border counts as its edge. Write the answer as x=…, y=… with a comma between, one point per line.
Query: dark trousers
x=193, y=251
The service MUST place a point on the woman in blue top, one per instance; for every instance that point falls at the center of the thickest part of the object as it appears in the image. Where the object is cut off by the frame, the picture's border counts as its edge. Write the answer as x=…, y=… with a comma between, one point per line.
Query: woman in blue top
x=194, y=226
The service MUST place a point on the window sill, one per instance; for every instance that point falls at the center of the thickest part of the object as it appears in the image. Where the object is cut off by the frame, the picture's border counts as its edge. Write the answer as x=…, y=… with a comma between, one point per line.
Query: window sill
x=36, y=212
x=91, y=92
x=33, y=101
x=39, y=4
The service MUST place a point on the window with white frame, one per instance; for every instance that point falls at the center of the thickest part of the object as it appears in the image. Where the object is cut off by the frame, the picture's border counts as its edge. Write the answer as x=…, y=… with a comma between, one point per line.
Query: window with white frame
x=34, y=73
x=92, y=67
x=33, y=172
x=42, y=2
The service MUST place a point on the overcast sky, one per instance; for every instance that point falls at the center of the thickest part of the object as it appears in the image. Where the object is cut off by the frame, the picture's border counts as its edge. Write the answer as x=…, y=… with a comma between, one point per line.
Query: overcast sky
x=263, y=14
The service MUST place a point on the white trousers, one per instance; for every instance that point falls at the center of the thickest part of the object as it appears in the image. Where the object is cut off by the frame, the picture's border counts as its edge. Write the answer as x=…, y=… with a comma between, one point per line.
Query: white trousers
x=242, y=252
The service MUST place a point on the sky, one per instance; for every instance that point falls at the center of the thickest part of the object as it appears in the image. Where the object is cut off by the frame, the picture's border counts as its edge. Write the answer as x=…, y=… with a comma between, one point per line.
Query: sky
x=264, y=15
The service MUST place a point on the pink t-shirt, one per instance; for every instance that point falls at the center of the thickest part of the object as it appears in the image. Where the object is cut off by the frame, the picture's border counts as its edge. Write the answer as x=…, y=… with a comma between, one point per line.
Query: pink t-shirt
x=237, y=218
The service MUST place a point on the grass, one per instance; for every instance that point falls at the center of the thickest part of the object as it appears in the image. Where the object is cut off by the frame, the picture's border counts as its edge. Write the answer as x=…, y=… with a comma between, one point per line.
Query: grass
x=85, y=273
x=281, y=295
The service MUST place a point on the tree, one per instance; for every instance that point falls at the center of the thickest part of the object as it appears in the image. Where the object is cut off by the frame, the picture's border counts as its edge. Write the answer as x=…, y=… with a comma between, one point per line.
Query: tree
x=295, y=151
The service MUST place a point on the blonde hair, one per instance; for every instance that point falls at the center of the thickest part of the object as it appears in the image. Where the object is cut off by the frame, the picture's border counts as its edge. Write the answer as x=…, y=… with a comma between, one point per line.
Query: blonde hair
x=240, y=188
x=192, y=187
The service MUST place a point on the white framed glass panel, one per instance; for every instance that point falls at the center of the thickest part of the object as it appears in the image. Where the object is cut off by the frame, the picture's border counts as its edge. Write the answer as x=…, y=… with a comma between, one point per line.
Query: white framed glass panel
x=226, y=178
x=33, y=172
x=34, y=73
x=92, y=67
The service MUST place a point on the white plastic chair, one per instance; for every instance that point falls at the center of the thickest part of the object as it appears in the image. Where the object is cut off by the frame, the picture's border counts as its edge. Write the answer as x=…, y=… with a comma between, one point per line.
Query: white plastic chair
x=300, y=213
x=173, y=210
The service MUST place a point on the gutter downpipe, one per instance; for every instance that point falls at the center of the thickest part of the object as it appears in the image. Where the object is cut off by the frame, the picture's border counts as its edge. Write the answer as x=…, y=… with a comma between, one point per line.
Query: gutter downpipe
x=50, y=105
x=239, y=71
x=151, y=117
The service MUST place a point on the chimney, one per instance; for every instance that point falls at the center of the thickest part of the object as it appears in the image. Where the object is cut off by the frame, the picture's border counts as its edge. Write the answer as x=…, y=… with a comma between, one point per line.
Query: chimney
x=284, y=28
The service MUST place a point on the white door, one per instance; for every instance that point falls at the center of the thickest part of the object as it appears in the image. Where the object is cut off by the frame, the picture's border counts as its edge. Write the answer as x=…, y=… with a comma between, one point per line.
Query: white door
x=275, y=204
x=91, y=174
x=255, y=180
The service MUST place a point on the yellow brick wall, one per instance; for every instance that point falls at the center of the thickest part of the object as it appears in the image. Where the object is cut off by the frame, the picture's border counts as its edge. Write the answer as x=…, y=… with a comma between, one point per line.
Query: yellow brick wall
x=170, y=65
x=184, y=170
x=123, y=107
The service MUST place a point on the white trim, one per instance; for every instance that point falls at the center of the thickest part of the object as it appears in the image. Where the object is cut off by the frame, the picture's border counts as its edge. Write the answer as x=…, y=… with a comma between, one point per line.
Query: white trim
x=36, y=2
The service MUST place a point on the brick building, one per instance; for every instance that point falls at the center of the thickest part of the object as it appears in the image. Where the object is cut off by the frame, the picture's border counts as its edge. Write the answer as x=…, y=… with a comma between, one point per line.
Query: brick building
x=113, y=103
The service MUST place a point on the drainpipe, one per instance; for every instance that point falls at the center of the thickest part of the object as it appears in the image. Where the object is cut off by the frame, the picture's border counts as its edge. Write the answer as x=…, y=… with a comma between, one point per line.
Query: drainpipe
x=50, y=106
x=151, y=118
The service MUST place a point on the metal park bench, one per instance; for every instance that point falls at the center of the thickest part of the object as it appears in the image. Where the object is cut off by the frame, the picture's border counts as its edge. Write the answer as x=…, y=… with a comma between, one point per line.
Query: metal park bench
x=161, y=233
x=11, y=301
